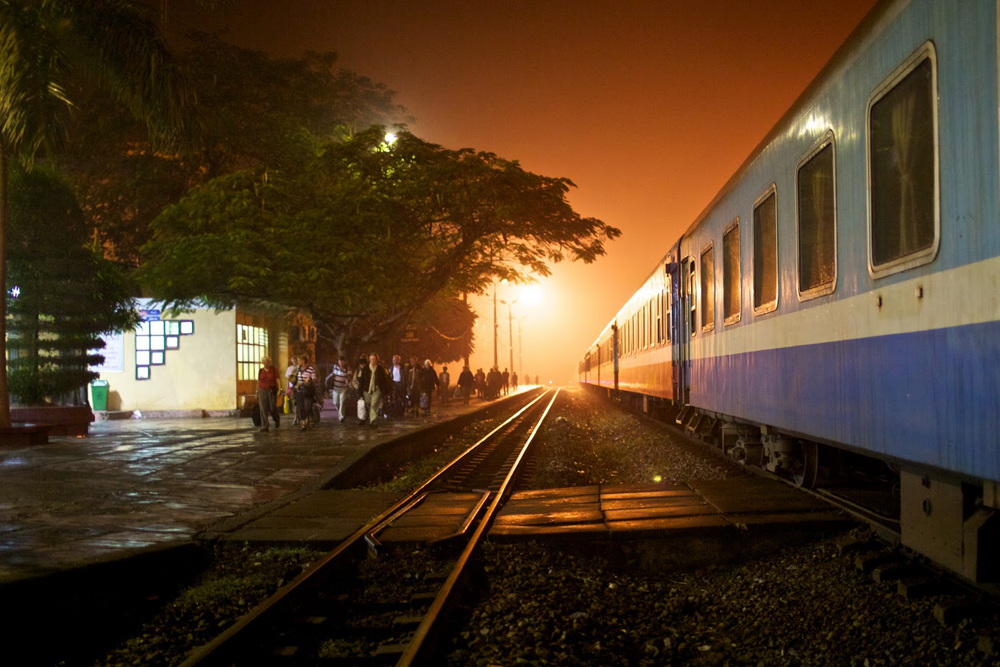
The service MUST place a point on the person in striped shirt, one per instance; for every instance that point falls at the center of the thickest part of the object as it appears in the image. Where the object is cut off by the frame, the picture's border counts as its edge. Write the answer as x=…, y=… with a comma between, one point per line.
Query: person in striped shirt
x=305, y=386
x=337, y=381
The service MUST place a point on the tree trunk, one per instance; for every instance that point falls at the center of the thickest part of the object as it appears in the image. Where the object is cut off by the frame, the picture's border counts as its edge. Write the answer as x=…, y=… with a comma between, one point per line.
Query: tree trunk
x=4, y=395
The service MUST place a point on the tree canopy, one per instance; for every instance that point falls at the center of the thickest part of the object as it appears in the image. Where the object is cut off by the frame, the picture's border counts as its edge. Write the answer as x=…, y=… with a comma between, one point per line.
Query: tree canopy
x=366, y=234
x=65, y=293
x=48, y=48
x=254, y=112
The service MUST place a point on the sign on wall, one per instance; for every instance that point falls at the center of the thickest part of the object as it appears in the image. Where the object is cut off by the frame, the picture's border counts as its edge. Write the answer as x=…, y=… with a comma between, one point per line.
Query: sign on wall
x=114, y=354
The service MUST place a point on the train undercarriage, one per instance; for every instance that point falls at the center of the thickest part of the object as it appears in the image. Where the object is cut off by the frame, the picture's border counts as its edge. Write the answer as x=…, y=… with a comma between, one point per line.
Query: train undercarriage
x=952, y=521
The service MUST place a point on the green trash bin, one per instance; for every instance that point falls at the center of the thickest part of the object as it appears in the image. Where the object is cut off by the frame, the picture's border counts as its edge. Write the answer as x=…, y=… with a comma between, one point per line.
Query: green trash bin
x=99, y=394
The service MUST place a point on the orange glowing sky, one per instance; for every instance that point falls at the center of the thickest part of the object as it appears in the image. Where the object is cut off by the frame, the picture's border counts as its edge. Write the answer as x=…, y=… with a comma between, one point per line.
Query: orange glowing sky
x=649, y=107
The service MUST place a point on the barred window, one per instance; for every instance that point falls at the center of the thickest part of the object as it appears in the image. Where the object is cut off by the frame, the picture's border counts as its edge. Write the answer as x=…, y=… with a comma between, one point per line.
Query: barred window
x=659, y=318
x=666, y=310
x=731, y=273
x=692, y=296
x=708, y=289
x=251, y=347
x=903, y=167
x=817, y=223
x=765, y=254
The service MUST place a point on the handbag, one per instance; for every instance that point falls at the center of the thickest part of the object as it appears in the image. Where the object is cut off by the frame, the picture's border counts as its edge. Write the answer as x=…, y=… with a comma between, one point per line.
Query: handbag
x=279, y=399
x=362, y=409
x=255, y=415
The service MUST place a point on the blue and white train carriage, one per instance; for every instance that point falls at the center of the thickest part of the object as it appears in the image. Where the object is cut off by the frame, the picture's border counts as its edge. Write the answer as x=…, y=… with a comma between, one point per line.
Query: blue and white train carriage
x=842, y=291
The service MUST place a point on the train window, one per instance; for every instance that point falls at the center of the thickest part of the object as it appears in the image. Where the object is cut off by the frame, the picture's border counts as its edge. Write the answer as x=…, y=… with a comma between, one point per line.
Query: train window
x=666, y=310
x=817, y=221
x=692, y=298
x=765, y=253
x=659, y=318
x=903, y=217
x=731, y=272
x=708, y=288
x=642, y=329
x=650, y=323
x=647, y=329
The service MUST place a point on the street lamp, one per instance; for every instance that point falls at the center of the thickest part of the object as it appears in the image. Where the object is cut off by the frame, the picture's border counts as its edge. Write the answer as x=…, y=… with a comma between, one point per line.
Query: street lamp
x=510, y=329
x=495, y=361
x=520, y=347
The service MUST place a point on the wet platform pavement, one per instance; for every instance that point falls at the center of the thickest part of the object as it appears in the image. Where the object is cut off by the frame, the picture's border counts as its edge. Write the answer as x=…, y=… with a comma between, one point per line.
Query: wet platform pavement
x=134, y=484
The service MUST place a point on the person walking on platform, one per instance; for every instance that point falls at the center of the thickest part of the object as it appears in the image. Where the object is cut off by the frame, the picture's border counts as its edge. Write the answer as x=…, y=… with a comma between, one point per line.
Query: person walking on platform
x=444, y=380
x=513, y=380
x=466, y=381
x=337, y=381
x=305, y=387
x=480, y=378
x=355, y=405
x=428, y=384
x=290, y=374
x=505, y=381
x=375, y=386
x=267, y=393
x=397, y=400
x=413, y=384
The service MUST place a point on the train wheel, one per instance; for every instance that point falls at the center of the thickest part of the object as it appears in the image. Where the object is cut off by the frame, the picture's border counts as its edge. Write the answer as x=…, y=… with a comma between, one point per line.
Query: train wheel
x=806, y=468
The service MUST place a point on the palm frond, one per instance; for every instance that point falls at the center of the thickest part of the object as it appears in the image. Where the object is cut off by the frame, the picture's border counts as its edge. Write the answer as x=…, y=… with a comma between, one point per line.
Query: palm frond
x=120, y=45
x=33, y=69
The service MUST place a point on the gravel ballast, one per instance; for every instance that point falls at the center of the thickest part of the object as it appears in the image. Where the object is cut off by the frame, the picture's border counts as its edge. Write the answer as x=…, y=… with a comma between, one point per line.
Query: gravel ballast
x=589, y=441
x=804, y=605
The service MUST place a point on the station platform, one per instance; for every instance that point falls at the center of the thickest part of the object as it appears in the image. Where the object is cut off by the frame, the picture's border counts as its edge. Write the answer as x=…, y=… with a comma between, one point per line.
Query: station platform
x=625, y=512
x=139, y=484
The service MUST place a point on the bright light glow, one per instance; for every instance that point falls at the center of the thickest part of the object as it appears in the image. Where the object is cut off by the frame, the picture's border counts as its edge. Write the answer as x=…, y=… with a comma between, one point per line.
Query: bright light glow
x=390, y=138
x=657, y=478
x=15, y=291
x=814, y=125
x=531, y=295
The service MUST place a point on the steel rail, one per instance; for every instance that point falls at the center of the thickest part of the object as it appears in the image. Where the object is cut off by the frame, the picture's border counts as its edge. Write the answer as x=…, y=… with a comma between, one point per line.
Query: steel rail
x=417, y=649
x=225, y=646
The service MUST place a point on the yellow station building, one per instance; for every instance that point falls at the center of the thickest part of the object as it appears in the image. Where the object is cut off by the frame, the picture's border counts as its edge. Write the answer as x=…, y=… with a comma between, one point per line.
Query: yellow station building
x=194, y=363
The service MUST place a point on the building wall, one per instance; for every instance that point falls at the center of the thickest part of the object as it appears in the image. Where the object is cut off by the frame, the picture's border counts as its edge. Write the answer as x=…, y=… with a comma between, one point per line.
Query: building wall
x=199, y=375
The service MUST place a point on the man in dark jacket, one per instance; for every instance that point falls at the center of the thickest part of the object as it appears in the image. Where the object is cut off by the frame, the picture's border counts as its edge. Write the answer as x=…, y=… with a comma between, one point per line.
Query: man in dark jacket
x=374, y=384
x=428, y=385
x=465, y=381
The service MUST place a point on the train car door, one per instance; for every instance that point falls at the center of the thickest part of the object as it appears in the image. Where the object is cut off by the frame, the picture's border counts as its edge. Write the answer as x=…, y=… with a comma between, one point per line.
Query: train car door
x=674, y=324
x=686, y=324
x=614, y=351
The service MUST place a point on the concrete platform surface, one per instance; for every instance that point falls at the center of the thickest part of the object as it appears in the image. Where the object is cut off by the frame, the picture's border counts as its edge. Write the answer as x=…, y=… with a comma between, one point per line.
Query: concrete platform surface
x=661, y=510
x=139, y=483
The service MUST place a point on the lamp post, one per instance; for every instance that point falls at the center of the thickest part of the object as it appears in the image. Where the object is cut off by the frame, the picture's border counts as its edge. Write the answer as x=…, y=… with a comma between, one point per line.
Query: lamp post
x=520, y=347
x=510, y=329
x=495, y=361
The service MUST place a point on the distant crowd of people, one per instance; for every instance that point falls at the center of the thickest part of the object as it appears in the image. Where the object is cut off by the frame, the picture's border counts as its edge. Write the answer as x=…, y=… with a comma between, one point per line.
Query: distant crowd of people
x=369, y=391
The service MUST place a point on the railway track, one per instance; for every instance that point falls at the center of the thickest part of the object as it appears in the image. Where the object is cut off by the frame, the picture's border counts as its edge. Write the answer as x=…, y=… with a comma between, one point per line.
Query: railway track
x=369, y=603
x=884, y=559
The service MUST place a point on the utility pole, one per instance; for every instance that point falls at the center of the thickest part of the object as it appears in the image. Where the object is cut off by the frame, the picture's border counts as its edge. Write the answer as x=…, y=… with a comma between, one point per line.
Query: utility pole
x=468, y=335
x=496, y=361
x=520, y=348
x=510, y=332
